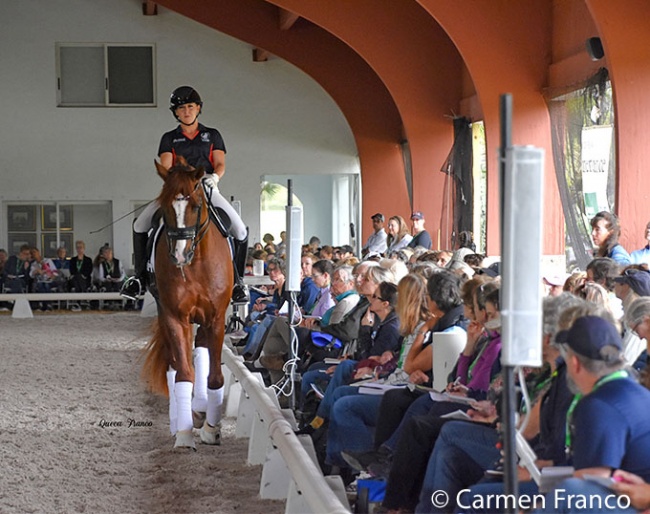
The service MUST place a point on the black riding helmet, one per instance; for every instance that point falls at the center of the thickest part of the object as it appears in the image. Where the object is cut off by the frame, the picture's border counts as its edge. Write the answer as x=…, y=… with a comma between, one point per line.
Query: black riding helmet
x=183, y=95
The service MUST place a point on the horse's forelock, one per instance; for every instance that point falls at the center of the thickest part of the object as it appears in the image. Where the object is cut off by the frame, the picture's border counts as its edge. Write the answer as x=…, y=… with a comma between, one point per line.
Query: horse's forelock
x=180, y=181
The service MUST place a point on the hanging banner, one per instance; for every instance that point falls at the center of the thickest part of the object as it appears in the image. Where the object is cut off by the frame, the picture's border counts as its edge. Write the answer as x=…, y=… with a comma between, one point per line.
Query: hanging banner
x=596, y=146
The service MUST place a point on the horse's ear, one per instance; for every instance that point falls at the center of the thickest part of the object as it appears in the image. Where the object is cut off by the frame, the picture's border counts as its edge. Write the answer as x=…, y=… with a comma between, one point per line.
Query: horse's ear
x=180, y=162
x=198, y=173
x=162, y=171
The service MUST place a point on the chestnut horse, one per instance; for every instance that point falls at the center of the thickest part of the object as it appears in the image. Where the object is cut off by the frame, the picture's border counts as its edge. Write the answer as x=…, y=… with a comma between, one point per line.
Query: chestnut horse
x=194, y=277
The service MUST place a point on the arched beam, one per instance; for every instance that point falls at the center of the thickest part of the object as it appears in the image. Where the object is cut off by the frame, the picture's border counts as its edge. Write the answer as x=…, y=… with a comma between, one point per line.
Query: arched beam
x=354, y=86
x=626, y=41
x=506, y=47
x=421, y=69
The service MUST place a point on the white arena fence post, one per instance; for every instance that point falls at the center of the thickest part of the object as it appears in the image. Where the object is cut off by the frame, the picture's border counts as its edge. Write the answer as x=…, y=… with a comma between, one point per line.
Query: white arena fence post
x=310, y=484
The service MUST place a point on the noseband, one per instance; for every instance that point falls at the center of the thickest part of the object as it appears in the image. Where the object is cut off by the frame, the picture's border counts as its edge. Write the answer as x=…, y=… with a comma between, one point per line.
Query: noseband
x=188, y=233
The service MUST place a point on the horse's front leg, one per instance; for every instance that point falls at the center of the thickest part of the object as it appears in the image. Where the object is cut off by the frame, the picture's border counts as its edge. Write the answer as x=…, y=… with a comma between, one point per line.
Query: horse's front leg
x=180, y=342
x=212, y=338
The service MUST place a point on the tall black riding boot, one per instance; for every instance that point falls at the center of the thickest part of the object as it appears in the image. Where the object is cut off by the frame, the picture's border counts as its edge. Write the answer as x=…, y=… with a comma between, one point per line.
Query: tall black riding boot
x=134, y=286
x=240, y=291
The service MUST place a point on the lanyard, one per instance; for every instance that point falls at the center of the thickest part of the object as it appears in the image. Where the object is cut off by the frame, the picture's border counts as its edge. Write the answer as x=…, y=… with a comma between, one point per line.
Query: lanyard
x=475, y=361
x=538, y=388
x=617, y=375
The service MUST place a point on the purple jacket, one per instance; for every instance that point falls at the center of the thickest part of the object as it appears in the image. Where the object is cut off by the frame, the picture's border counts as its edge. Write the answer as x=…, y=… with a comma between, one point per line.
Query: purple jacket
x=481, y=371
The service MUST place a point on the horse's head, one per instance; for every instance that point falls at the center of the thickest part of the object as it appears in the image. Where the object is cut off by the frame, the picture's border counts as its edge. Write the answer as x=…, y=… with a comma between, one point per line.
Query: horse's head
x=181, y=201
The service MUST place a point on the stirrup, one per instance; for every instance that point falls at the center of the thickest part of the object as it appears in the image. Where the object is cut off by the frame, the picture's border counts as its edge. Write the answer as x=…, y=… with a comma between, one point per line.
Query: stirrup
x=129, y=290
x=240, y=294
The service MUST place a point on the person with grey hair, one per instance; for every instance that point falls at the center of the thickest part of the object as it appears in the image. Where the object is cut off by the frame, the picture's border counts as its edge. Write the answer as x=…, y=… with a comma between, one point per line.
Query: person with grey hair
x=463, y=451
x=631, y=284
x=274, y=347
x=608, y=421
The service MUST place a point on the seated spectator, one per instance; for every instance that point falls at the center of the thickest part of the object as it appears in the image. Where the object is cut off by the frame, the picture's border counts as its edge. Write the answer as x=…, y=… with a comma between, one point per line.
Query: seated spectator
x=642, y=256
x=446, y=306
x=326, y=252
x=396, y=267
x=4, y=306
x=281, y=247
x=314, y=245
x=630, y=285
x=376, y=242
x=420, y=235
x=62, y=264
x=637, y=317
x=383, y=338
x=463, y=452
x=42, y=271
x=108, y=273
x=605, y=231
x=3, y=260
x=398, y=234
x=321, y=275
x=308, y=290
x=554, y=283
x=603, y=270
x=275, y=347
x=81, y=269
x=16, y=271
x=411, y=366
x=609, y=420
x=575, y=280
x=465, y=247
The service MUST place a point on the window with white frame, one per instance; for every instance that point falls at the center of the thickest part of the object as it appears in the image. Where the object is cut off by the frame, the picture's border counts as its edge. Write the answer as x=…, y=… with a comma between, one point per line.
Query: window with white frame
x=105, y=75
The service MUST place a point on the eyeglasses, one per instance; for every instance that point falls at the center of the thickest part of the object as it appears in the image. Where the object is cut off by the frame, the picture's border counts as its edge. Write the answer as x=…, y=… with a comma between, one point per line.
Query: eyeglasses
x=316, y=275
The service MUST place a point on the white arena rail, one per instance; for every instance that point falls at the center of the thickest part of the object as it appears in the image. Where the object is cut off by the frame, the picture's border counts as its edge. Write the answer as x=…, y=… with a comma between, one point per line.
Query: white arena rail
x=21, y=301
x=309, y=491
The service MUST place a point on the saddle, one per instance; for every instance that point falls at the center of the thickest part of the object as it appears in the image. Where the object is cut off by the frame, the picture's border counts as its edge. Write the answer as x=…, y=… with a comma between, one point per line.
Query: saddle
x=219, y=218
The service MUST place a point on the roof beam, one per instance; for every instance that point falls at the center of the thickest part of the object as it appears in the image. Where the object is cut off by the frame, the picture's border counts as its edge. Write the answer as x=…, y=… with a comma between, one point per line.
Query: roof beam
x=260, y=55
x=149, y=8
x=286, y=19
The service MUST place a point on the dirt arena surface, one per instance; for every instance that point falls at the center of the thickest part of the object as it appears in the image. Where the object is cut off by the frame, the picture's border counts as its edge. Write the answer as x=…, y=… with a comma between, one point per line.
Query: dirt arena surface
x=65, y=379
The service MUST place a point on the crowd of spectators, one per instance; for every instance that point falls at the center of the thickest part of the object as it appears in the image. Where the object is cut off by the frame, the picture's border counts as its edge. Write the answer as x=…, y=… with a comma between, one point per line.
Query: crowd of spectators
x=366, y=365
x=29, y=272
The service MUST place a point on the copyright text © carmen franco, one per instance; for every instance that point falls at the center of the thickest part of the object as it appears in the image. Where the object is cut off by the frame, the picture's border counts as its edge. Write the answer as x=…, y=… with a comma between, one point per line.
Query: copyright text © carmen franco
x=128, y=423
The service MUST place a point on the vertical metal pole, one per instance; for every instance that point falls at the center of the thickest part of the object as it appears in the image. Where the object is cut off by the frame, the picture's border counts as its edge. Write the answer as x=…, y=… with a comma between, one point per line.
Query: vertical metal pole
x=509, y=397
x=292, y=397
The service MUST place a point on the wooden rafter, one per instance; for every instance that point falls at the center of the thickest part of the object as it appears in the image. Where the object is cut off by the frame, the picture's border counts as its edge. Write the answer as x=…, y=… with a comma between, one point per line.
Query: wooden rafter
x=149, y=8
x=260, y=55
x=286, y=19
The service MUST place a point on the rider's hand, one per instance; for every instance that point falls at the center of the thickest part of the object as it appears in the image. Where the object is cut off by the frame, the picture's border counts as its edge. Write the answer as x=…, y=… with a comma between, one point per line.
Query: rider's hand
x=211, y=180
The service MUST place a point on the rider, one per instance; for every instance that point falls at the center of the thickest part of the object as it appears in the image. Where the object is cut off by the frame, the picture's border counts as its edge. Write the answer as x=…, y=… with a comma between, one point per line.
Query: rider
x=200, y=146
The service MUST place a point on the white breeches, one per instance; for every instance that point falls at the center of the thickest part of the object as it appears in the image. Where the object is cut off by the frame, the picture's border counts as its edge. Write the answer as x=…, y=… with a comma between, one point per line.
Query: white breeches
x=237, y=228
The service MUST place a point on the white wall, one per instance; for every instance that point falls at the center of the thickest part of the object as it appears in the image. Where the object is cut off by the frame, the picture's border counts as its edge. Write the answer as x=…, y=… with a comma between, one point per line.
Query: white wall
x=275, y=120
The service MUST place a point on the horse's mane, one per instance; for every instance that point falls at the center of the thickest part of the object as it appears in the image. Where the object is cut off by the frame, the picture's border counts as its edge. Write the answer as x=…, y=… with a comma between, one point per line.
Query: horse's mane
x=181, y=180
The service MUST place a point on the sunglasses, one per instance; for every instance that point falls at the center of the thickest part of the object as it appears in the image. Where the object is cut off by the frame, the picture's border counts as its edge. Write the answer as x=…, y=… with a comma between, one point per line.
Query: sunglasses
x=375, y=297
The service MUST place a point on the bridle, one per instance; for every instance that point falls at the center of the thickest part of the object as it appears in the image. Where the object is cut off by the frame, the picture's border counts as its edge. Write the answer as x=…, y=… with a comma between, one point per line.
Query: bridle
x=194, y=233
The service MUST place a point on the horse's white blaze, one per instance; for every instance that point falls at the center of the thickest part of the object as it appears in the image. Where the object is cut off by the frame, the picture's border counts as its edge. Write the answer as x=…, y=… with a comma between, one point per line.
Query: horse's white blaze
x=180, y=204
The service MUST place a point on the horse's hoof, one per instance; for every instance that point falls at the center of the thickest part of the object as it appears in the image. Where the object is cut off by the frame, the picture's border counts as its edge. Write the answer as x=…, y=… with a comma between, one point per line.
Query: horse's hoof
x=210, y=434
x=198, y=418
x=184, y=439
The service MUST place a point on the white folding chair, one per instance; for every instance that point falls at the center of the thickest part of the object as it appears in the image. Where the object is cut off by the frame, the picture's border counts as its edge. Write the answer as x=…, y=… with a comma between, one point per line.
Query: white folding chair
x=446, y=346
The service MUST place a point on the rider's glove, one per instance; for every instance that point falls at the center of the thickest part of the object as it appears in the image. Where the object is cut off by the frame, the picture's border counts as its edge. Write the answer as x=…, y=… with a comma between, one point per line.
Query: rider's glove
x=212, y=181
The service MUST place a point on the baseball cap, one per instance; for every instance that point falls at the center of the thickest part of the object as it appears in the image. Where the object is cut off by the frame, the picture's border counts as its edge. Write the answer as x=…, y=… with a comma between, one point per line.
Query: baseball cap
x=556, y=279
x=379, y=216
x=638, y=280
x=417, y=215
x=589, y=335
